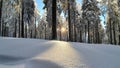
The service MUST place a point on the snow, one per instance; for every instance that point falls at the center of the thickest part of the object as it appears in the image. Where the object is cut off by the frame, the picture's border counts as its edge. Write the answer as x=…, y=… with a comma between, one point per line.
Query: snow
x=35, y=53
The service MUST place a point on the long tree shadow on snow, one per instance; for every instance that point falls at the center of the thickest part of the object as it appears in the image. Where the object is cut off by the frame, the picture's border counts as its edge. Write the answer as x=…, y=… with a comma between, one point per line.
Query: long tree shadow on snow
x=20, y=56
x=10, y=60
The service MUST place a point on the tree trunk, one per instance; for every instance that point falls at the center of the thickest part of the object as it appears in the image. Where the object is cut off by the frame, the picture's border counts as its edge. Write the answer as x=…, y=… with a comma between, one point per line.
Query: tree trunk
x=45, y=32
x=75, y=37
x=35, y=29
x=110, y=32
x=119, y=34
x=54, y=31
x=99, y=40
x=4, y=33
x=80, y=36
x=60, y=33
x=88, y=32
x=114, y=32
x=19, y=25
x=30, y=33
x=69, y=23
x=85, y=32
x=97, y=33
x=15, y=32
x=2, y=28
x=22, y=23
x=1, y=16
x=26, y=31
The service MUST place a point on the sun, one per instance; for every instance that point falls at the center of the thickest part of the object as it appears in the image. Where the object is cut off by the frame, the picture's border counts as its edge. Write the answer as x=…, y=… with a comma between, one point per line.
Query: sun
x=63, y=29
x=99, y=0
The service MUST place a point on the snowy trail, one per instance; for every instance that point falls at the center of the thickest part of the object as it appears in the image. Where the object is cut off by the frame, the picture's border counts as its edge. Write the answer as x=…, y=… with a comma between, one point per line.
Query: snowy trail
x=31, y=53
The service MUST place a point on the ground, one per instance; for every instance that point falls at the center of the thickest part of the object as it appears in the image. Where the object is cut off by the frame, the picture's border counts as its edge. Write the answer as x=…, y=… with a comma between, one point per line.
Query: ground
x=36, y=53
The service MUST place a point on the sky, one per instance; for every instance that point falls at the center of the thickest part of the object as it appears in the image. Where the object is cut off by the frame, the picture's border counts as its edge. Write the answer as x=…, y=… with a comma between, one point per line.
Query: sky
x=40, y=5
x=79, y=1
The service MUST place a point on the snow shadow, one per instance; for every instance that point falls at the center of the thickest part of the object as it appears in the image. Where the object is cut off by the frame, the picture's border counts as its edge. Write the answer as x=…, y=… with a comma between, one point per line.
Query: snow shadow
x=10, y=60
x=36, y=63
x=20, y=57
x=19, y=51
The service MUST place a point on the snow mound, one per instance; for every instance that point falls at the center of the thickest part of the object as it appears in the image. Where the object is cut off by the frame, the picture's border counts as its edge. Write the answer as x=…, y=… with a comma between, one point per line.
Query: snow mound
x=33, y=53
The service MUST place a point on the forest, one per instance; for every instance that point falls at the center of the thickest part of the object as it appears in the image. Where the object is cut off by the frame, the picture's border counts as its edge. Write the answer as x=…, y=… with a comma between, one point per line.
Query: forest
x=92, y=21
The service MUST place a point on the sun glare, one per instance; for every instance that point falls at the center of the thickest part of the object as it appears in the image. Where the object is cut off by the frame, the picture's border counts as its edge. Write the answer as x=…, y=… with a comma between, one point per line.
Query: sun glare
x=63, y=29
x=99, y=0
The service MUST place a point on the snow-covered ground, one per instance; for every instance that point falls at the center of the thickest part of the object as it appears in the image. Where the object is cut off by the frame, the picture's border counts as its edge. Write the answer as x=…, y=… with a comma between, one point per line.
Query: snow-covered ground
x=31, y=53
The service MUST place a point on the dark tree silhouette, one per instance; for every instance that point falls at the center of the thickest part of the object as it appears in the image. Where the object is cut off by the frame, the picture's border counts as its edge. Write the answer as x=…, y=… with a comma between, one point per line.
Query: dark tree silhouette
x=22, y=23
x=0, y=14
x=69, y=22
x=54, y=31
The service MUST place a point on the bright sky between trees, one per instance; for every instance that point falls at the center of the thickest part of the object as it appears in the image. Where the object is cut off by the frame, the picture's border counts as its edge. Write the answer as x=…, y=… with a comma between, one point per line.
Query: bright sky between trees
x=40, y=5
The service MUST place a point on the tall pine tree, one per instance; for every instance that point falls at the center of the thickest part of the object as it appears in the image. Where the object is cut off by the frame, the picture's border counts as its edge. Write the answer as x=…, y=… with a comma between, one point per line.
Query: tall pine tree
x=90, y=16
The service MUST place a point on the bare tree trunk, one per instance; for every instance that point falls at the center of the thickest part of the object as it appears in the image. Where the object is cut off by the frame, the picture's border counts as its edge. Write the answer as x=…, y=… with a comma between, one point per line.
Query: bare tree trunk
x=69, y=22
x=97, y=33
x=88, y=32
x=99, y=41
x=93, y=35
x=26, y=31
x=75, y=37
x=2, y=28
x=119, y=34
x=15, y=32
x=35, y=29
x=54, y=31
x=22, y=23
x=80, y=36
x=30, y=33
x=19, y=25
x=85, y=32
x=110, y=32
x=114, y=32
x=45, y=32
x=74, y=26
x=60, y=33
x=1, y=16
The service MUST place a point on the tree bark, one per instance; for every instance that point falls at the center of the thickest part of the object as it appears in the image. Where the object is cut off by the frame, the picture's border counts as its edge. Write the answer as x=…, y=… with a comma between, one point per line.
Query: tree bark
x=114, y=32
x=22, y=23
x=1, y=16
x=54, y=31
x=15, y=32
x=26, y=31
x=19, y=25
x=80, y=36
x=60, y=33
x=75, y=37
x=110, y=32
x=119, y=33
x=30, y=33
x=74, y=28
x=35, y=29
x=88, y=32
x=45, y=32
x=97, y=33
x=85, y=32
x=69, y=22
